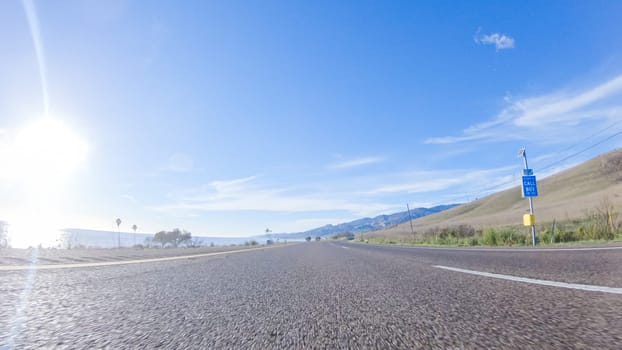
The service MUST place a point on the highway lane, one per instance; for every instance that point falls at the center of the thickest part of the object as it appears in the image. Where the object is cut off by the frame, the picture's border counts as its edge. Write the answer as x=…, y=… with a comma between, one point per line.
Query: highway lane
x=319, y=295
x=598, y=265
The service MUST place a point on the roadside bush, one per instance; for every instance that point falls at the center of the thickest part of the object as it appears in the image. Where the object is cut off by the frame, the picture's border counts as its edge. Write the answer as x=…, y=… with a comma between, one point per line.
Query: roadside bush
x=544, y=236
x=489, y=237
x=601, y=223
x=454, y=235
x=594, y=231
x=563, y=235
x=503, y=236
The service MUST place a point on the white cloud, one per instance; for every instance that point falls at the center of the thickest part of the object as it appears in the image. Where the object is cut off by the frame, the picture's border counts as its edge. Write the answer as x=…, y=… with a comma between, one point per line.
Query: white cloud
x=231, y=185
x=243, y=194
x=549, y=115
x=454, y=139
x=501, y=41
x=554, y=108
x=269, y=201
x=356, y=162
x=435, y=181
x=419, y=186
x=247, y=194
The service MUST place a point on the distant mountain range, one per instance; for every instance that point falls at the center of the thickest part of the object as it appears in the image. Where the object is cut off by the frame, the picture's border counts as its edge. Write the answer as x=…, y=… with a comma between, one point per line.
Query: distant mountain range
x=72, y=237
x=362, y=225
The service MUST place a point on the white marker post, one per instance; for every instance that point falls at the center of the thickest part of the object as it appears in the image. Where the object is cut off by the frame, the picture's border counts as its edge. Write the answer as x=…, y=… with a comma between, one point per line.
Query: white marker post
x=529, y=190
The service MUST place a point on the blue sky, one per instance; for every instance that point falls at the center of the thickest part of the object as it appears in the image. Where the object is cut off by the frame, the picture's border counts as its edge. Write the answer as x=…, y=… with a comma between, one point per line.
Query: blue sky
x=228, y=117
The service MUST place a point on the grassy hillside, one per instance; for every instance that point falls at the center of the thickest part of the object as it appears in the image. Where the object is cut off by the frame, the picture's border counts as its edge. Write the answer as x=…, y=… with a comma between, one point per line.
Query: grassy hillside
x=564, y=196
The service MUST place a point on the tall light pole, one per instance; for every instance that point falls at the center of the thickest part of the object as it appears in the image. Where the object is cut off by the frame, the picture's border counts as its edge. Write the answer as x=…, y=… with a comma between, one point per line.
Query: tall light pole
x=528, y=172
x=134, y=227
x=118, y=221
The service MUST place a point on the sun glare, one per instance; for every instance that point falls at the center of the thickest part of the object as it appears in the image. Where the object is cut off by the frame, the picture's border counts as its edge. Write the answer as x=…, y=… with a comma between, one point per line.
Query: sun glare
x=44, y=155
x=47, y=151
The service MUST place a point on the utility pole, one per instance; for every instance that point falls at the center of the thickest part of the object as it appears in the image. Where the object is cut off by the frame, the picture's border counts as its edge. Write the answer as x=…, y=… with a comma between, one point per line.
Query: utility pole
x=528, y=172
x=411, y=222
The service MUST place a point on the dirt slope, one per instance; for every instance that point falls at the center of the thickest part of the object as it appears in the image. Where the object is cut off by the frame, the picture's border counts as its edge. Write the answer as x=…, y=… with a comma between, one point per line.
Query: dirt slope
x=566, y=195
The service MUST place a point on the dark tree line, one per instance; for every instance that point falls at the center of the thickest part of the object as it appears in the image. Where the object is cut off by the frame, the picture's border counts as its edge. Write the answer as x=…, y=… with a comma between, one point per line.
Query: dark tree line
x=174, y=238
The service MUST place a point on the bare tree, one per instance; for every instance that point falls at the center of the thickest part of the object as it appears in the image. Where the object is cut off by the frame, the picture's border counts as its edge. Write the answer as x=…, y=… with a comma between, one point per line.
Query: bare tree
x=161, y=237
x=175, y=238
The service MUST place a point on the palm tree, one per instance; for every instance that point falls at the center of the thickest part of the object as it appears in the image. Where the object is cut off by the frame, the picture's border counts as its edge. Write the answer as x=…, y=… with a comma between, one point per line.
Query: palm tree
x=134, y=227
x=118, y=221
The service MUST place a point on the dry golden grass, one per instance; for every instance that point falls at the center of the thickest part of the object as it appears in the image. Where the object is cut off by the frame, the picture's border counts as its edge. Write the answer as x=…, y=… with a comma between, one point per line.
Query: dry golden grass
x=564, y=196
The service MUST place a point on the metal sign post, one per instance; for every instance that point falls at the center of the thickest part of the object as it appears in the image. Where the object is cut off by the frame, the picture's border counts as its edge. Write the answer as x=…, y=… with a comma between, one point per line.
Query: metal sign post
x=530, y=190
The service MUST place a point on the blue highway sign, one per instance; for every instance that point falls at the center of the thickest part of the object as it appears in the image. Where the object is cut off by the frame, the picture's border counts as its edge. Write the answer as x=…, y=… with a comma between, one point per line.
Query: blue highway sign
x=530, y=188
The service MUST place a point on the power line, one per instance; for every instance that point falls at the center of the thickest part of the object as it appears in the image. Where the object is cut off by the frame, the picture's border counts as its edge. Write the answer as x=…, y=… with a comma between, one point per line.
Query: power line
x=583, y=150
x=492, y=188
x=589, y=137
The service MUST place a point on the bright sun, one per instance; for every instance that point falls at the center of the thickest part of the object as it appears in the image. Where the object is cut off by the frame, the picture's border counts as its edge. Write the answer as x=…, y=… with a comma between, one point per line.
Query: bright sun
x=44, y=155
x=47, y=151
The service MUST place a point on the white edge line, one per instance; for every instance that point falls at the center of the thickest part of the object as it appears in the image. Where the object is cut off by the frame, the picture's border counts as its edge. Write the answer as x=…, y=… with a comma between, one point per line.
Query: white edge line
x=124, y=262
x=500, y=249
x=587, y=287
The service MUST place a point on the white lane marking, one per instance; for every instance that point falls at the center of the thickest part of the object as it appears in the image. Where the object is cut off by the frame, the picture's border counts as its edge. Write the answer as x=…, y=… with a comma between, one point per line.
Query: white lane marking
x=587, y=287
x=344, y=247
x=124, y=262
x=502, y=249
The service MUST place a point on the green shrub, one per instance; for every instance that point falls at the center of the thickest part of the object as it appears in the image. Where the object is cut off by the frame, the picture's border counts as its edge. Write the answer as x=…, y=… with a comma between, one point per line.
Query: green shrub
x=503, y=236
x=563, y=235
x=544, y=236
x=473, y=241
x=489, y=237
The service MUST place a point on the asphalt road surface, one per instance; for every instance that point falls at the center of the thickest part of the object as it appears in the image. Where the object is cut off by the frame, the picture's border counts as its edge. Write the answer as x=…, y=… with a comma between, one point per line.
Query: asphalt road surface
x=323, y=295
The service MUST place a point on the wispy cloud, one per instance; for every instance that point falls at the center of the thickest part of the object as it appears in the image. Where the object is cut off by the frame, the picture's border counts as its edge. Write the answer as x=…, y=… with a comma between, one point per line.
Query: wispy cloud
x=245, y=195
x=455, y=179
x=234, y=185
x=548, y=109
x=551, y=114
x=356, y=162
x=249, y=194
x=129, y=198
x=501, y=41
